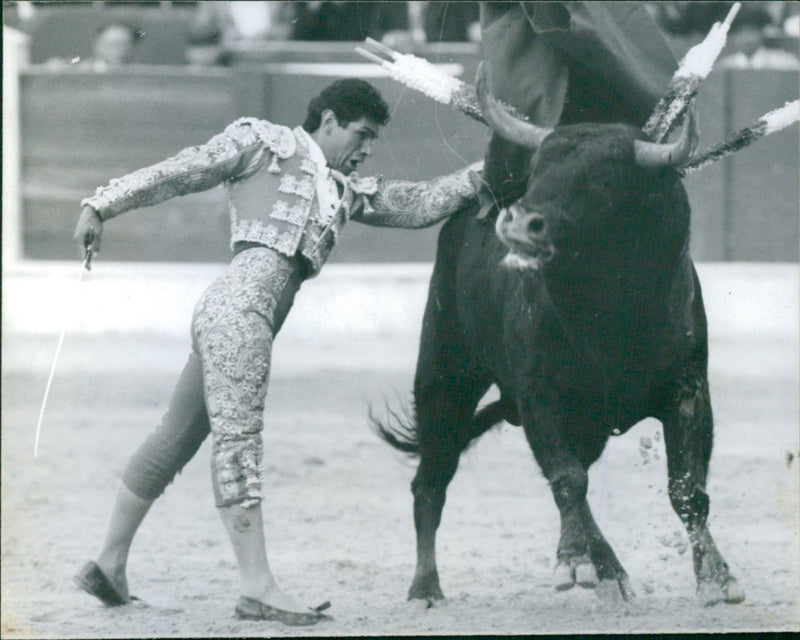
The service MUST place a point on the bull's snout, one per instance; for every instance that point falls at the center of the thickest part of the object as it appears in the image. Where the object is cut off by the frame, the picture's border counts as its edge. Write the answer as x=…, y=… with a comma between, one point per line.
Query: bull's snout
x=515, y=225
x=525, y=233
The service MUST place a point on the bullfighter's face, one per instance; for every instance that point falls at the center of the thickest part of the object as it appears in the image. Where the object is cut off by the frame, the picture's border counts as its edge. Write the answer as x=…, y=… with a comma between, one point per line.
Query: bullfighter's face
x=347, y=146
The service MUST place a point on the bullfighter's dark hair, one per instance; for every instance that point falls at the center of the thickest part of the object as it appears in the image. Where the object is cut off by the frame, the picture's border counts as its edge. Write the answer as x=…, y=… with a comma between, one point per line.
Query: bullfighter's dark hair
x=350, y=99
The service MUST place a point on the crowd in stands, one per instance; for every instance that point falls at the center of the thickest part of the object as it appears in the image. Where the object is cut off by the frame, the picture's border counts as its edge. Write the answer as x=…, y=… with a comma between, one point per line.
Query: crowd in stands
x=764, y=34
x=210, y=27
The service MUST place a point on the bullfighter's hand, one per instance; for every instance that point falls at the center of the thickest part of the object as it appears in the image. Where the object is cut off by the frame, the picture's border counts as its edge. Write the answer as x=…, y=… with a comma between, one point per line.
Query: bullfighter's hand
x=89, y=230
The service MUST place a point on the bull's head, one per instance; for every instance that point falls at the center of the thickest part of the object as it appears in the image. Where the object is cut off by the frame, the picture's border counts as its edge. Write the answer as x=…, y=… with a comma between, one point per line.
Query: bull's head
x=579, y=170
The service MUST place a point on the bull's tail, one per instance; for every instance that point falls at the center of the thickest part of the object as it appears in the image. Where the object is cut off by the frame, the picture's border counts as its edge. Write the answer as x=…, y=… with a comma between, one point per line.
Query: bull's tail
x=401, y=431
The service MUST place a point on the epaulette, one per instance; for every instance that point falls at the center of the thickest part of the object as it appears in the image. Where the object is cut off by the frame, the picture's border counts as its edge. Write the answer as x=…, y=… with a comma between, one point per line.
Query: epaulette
x=278, y=139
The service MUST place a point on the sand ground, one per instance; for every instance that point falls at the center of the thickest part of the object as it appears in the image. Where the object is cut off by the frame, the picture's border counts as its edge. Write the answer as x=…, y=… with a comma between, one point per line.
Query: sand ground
x=338, y=506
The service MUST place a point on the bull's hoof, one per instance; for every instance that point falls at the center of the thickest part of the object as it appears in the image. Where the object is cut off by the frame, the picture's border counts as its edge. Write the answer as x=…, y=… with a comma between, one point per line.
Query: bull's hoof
x=578, y=570
x=420, y=605
x=616, y=591
x=710, y=593
x=426, y=587
x=734, y=594
x=563, y=577
x=586, y=575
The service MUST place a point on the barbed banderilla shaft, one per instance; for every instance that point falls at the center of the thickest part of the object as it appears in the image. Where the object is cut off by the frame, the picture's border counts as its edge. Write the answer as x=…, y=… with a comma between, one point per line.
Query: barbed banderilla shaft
x=86, y=265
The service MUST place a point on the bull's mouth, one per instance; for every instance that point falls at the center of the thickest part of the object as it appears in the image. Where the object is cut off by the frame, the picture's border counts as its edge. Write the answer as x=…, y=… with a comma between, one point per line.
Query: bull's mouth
x=528, y=257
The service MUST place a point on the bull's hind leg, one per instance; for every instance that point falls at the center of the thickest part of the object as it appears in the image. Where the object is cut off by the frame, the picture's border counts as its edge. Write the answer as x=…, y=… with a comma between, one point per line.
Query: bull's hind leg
x=444, y=412
x=688, y=430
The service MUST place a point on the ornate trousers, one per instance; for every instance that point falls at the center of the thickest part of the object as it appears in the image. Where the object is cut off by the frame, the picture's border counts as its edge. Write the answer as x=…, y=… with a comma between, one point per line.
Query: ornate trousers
x=224, y=384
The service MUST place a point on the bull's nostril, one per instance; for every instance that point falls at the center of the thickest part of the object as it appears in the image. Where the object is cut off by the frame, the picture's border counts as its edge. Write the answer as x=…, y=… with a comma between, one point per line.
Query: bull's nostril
x=536, y=225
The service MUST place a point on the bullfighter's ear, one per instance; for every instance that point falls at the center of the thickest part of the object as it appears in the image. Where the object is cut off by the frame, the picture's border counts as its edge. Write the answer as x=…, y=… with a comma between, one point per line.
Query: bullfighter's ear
x=328, y=118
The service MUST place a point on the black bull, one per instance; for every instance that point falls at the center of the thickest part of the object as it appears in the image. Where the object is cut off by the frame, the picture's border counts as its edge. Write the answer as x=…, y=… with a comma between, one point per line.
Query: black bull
x=592, y=322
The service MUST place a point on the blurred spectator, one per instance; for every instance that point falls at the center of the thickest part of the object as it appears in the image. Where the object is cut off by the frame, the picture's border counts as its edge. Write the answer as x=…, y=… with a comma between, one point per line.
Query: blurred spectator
x=113, y=46
x=452, y=21
x=688, y=18
x=748, y=45
x=18, y=14
x=696, y=18
x=751, y=35
x=791, y=26
x=245, y=20
x=332, y=20
x=217, y=24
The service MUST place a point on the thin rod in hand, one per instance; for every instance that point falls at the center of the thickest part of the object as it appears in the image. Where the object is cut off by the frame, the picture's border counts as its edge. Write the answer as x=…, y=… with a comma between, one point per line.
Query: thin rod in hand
x=85, y=266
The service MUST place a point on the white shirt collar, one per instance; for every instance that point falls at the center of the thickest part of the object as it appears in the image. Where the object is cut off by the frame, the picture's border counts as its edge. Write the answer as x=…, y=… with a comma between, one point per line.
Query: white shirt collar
x=314, y=152
x=327, y=193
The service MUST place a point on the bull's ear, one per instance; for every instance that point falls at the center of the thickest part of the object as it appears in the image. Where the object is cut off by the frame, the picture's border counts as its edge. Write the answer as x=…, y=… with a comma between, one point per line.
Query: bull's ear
x=651, y=154
x=511, y=128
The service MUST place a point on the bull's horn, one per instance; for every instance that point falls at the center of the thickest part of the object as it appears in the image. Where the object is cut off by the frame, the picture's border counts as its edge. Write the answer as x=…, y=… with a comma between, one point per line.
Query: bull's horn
x=513, y=129
x=652, y=154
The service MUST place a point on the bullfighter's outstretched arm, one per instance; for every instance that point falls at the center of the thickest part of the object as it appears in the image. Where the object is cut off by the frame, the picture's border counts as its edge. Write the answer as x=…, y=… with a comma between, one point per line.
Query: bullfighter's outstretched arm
x=232, y=153
x=414, y=205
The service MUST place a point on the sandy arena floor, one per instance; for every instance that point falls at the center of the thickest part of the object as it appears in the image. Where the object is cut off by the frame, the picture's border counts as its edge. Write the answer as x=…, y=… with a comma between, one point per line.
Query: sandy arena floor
x=338, y=506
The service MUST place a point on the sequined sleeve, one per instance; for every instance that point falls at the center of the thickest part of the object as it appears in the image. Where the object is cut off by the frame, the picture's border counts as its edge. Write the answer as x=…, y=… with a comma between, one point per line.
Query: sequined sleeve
x=414, y=205
x=225, y=156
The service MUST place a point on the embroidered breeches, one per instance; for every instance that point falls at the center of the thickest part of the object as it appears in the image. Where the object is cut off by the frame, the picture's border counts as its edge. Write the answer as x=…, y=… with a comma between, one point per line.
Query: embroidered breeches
x=232, y=328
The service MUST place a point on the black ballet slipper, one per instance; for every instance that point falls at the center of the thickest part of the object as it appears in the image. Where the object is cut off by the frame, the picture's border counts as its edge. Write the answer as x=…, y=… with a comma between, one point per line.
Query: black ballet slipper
x=94, y=582
x=252, y=609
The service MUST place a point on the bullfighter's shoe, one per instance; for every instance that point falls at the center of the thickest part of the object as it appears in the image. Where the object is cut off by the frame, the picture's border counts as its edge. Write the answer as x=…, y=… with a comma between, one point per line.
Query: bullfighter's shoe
x=252, y=609
x=94, y=582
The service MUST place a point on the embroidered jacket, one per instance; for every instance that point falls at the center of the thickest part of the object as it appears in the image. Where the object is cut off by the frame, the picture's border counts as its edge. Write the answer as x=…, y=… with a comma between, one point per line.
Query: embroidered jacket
x=272, y=194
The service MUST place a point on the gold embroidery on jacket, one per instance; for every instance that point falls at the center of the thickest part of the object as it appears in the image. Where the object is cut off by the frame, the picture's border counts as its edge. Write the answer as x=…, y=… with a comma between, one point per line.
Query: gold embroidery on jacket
x=261, y=232
x=296, y=214
x=304, y=187
x=307, y=166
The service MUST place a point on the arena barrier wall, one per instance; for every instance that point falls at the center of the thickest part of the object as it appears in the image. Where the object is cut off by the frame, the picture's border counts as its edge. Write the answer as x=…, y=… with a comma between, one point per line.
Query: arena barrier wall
x=79, y=129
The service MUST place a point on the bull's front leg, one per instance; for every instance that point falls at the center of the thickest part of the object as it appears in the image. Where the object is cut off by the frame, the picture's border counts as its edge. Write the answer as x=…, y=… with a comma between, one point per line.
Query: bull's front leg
x=584, y=556
x=688, y=433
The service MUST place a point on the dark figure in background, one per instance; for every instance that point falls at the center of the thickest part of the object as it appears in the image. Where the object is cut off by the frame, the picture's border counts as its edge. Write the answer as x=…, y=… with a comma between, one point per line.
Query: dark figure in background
x=348, y=21
x=452, y=21
x=563, y=63
x=749, y=45
x=690, y=18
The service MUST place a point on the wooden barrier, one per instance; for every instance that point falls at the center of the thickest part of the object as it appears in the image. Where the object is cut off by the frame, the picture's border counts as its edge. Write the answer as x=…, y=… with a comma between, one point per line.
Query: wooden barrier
x=80, y=129
x=745, y=207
